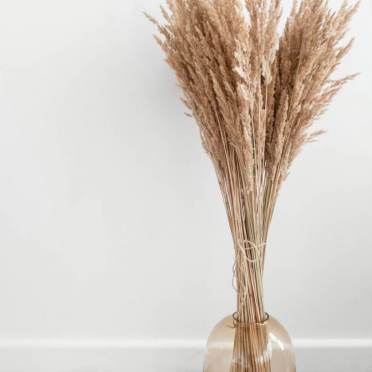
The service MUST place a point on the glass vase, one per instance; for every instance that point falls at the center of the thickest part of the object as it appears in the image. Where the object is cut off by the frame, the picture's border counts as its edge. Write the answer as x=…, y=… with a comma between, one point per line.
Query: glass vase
x=253, y=347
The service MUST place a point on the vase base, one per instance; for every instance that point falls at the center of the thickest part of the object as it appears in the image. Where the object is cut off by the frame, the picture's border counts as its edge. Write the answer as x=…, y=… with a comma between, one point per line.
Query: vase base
x=265, y=347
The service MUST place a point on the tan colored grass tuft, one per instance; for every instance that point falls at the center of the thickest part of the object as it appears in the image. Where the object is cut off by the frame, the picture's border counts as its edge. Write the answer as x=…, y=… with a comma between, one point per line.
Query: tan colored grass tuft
x=254, y=96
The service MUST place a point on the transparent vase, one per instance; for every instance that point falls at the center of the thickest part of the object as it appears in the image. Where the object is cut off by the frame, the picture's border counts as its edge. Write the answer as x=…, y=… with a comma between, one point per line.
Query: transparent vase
x=253, y=347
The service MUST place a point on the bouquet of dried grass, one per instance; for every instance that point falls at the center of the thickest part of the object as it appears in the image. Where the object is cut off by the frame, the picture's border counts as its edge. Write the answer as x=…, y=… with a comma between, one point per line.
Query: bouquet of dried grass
x=254, y=96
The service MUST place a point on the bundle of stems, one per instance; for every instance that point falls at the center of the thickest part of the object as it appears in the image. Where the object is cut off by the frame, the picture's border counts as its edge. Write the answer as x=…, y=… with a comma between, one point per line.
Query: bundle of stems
x=254, y=95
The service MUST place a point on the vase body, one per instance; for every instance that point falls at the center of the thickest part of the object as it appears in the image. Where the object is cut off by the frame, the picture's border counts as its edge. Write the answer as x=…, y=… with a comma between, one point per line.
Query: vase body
x=262, y=347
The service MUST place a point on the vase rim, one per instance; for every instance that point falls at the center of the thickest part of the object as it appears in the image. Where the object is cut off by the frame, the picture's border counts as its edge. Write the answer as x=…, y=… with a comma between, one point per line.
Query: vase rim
x=238, y=323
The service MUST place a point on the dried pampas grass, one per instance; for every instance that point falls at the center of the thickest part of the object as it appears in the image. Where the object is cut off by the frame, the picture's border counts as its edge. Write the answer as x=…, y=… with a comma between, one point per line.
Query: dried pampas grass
x=254, y=96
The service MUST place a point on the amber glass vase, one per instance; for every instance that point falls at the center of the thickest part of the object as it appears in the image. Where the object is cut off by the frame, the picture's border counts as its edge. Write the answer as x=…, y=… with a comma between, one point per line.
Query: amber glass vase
x=263, y=347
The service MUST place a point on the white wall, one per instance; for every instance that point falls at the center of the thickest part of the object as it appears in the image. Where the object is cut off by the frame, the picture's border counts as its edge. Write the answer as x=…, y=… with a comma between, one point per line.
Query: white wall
x=111, y=222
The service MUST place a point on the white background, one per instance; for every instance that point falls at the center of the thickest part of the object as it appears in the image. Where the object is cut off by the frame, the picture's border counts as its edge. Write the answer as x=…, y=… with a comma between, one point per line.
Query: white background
x=111, y=221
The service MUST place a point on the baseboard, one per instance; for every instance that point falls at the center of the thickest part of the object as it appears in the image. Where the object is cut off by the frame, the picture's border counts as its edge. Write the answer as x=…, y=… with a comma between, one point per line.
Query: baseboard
x=93, y=355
